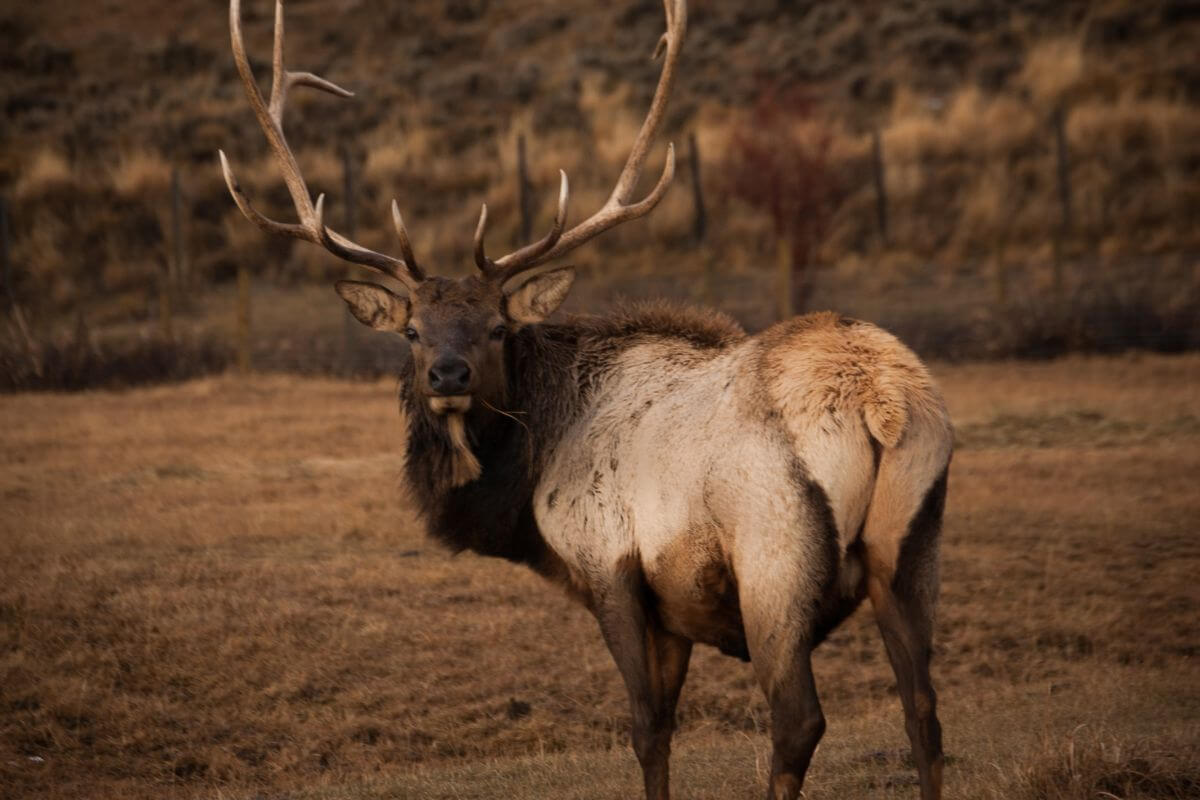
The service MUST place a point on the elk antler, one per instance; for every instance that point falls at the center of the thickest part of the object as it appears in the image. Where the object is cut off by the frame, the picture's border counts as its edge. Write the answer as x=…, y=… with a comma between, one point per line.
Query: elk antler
x=311, y=227
x=618, y=208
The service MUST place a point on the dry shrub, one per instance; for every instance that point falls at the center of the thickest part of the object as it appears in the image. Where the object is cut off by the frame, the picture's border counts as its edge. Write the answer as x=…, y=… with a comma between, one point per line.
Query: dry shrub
x=614, y=121
x=779, y=163
x=323, y=171
x=246, y=245
x=672, y=223
x=1053, y=68
x=976, y=177
x=388, y=161
x=545, y=154
x=452, y=177
x=913, y=132
x=259, y=176
x=395, y=151
x=1131, y=126
x=1086, y=767
x=360, y=357
x=76, y=364
x=1135, y=169
x=952, y=175
x=41, y=247
x=986, y=125
x=139, y=173
x=1155, y=308
x=47, y=172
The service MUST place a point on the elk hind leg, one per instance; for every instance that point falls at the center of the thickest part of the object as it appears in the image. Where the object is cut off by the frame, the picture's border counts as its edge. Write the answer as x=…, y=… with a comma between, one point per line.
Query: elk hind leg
x=653, y=663
x=797, y=725
x=780, y=623
x=903, y=593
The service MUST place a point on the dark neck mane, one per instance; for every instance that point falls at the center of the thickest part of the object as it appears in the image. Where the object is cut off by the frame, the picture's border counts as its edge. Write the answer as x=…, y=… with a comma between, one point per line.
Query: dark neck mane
x=493, y=515
x=551, y=369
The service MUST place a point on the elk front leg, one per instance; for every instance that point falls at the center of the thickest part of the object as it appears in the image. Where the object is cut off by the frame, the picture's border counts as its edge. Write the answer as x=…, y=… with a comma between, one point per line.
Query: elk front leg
x=653, y=662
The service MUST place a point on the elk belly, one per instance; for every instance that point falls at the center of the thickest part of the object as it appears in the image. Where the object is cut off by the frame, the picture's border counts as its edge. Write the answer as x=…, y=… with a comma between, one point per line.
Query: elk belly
x=696, y=592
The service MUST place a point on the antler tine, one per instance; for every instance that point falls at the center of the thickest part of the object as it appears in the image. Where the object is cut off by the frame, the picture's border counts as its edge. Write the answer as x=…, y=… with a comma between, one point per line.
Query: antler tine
x=670, y=42
x=405, y=245
x=282, y=80
x=311, y=226
x=619, y=208
x=485, y=264
x=531, y=251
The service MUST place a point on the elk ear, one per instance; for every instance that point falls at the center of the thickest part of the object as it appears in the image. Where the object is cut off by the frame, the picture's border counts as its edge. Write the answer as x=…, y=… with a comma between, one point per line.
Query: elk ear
x=540, y=296
x=374, y=306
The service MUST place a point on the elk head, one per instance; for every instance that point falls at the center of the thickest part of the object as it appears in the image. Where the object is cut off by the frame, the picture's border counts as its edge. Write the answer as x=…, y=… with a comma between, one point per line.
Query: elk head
x=457, y=327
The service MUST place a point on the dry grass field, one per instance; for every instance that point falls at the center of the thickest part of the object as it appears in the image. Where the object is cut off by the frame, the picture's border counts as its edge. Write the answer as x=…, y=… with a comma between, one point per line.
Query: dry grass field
x=215, y=590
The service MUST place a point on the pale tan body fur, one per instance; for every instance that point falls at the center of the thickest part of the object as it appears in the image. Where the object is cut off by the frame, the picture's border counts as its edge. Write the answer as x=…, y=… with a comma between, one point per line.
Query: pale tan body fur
x=685, y=460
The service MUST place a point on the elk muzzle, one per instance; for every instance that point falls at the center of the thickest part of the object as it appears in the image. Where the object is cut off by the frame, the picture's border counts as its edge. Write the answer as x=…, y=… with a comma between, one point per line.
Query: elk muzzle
x=450, y=375
x=450, y=385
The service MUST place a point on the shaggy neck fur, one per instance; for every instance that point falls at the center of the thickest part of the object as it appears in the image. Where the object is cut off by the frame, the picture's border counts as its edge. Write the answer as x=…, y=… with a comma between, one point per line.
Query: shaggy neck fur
x=552, y=370
x=492, y=514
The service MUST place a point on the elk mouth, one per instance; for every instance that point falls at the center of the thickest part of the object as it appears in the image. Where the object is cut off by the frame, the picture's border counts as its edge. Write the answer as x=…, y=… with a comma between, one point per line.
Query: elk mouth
x=450, y=404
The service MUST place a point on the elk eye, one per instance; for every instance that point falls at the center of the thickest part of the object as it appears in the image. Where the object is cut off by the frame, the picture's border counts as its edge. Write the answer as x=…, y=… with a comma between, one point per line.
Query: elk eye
x=499, y=332
x=410, y=333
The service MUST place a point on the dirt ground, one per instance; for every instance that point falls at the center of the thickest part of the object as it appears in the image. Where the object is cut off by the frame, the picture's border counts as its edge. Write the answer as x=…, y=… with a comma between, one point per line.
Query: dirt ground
x=215, y=589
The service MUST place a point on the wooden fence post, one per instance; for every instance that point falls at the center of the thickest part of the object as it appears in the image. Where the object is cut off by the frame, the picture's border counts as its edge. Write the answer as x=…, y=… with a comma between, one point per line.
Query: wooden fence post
x=4, y=262
x=1064, y=195
x=1064, y=168
x=783, y=272
x=349, y=326
x=524, y=193
x=348, y=187
x=243, y=320
x=166, y=328
x=31, y=350
x=881, y=203
x=179, y=261
x=701, y=219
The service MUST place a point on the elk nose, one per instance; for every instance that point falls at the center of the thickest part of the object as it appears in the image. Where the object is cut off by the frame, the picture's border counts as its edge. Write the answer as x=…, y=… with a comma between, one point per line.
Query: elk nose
x=449, y=375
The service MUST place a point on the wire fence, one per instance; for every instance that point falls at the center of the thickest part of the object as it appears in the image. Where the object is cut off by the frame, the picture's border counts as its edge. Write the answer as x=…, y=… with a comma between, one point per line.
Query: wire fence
x=1028, y=226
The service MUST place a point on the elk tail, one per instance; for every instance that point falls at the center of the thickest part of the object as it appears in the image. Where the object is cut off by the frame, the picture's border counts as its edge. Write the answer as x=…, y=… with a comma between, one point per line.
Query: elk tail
x=885, y=410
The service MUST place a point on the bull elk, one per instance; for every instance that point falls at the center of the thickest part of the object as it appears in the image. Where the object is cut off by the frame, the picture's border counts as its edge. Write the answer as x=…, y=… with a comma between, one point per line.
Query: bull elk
x=685, y=481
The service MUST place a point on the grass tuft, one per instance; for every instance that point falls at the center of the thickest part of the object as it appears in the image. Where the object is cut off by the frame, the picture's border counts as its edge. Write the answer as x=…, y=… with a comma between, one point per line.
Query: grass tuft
x=1090, y=766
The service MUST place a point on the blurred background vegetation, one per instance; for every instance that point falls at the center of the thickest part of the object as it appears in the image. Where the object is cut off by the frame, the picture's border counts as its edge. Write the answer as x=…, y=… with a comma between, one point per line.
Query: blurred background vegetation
x=984, y=178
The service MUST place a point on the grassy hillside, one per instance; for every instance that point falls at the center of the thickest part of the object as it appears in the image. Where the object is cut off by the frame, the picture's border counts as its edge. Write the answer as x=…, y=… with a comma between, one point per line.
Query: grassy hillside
x=102, y=102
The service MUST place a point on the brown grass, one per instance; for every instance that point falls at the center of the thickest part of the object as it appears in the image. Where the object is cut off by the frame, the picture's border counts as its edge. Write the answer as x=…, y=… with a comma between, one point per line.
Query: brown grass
x=215, y=589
